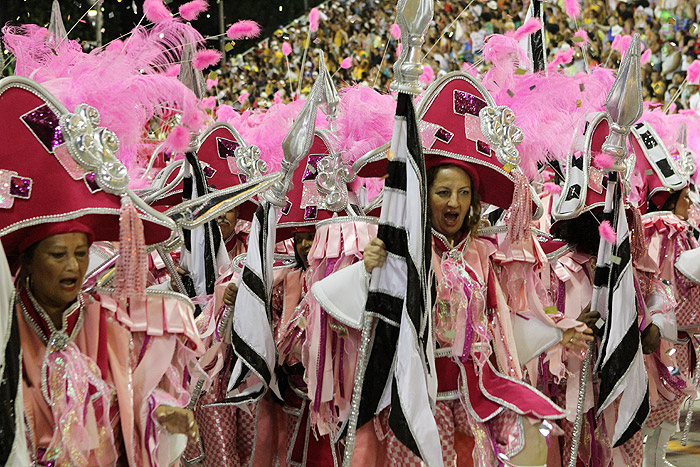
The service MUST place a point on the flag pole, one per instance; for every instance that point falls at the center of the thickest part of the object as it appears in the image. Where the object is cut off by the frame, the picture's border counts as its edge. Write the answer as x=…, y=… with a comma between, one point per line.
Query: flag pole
x=624, y=107
x=413, y=17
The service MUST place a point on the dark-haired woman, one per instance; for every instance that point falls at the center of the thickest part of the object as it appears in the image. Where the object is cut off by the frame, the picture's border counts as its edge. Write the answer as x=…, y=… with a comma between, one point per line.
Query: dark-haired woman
x=675, y=312
x=474, y=336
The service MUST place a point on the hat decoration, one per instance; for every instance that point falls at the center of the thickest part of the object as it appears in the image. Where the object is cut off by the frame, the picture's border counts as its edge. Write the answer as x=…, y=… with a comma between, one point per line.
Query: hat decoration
x=49, y=154
x=584, y=187
x=682, y=155
x=319, y=188
x=226, y=161
x=655, y=165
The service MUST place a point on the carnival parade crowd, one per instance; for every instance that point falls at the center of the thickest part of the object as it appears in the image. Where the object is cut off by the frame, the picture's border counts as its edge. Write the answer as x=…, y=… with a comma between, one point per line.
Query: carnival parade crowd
x=485, y=255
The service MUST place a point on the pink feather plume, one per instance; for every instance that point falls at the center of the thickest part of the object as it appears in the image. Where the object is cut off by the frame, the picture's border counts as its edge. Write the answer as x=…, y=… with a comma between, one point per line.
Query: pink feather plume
x=211, y=83
x=314, y=18
x=395, y=31
x=646, y=56
x=156, y=11
x=583, y=37
x=364, y=123
x=191, y=10
x=127, y=83
x=209, y=102
x=561, y=58
x=693, y=75
x=178, y=141
x=531, y=26
x=286, y=49
x=552, y=188
x=553, y=104
x=277, y=97
x=244, y=28
x=607, y=233
x=398, y=49
x=427, y=76
x=224, y=113
x=572, y=8
x=243, y=97
x=604, y=161
x=616, y=42
x=346, y=63
x=205, y=58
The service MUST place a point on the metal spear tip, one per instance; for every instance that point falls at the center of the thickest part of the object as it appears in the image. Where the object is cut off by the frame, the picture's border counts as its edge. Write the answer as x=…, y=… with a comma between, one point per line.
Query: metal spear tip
x=416, y=16
x=57, y=29
x=330, y=94
x=296, y=144
x=413, y=17
x=682, y=136
x=624, y=101
x=624, y=104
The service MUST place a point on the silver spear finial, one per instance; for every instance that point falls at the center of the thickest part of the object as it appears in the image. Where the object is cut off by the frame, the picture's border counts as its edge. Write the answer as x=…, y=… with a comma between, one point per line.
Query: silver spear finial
x=57, y=29
x=296, y=144
x=189, y=75
x=624, y=104
x=413, y=17
x=330, y=94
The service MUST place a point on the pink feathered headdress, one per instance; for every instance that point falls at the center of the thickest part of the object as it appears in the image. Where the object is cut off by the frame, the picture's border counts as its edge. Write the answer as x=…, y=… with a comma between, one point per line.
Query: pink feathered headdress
x=128, y=83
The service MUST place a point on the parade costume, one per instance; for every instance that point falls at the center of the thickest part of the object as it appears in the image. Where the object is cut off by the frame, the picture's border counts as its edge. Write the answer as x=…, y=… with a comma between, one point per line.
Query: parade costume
x=472, y=319
x=110, y=337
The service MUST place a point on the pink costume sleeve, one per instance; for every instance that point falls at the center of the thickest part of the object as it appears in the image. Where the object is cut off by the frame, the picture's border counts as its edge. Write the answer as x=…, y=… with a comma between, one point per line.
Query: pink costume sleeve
x=666, y=238
x=520, y=265
x=150, y=368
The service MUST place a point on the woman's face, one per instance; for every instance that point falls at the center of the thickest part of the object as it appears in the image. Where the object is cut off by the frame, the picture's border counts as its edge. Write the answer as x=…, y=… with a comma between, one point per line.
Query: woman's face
x=449, y=199
x=57, y=269
x=303, y=242
x=682, y=205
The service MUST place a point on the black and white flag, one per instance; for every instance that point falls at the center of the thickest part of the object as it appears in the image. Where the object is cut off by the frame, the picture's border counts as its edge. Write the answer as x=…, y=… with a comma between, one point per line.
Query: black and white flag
x=203, y=251
x=251, y=336
x=621, y=362
x=534, y=43
x=400, y=367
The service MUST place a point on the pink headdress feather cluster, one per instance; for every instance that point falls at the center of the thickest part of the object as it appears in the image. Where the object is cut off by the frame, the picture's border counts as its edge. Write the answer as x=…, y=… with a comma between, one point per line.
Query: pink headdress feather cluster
x=555, y=104
x=572, y=8
x=267, y=128
x=506, y=54
x=242, y=29
x=314, y=19
x=365, y=122
x=127, y=83
x=191, y=10
x=156, y=11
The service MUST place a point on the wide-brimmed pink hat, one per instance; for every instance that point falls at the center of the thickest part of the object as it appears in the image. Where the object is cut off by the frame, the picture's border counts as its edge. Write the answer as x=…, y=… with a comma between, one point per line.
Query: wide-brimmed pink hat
x=57, y=166
x=460, y=124
x=655, y=166
x=585, y=184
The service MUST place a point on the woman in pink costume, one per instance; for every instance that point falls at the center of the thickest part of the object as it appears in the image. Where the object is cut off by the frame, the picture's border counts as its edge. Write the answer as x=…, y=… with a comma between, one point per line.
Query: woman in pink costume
x=105, y=374
x=667, y=236
x=480, y=392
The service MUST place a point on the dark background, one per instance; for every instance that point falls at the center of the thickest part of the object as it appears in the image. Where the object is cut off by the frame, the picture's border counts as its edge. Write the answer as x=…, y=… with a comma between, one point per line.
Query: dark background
x=119, y=17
